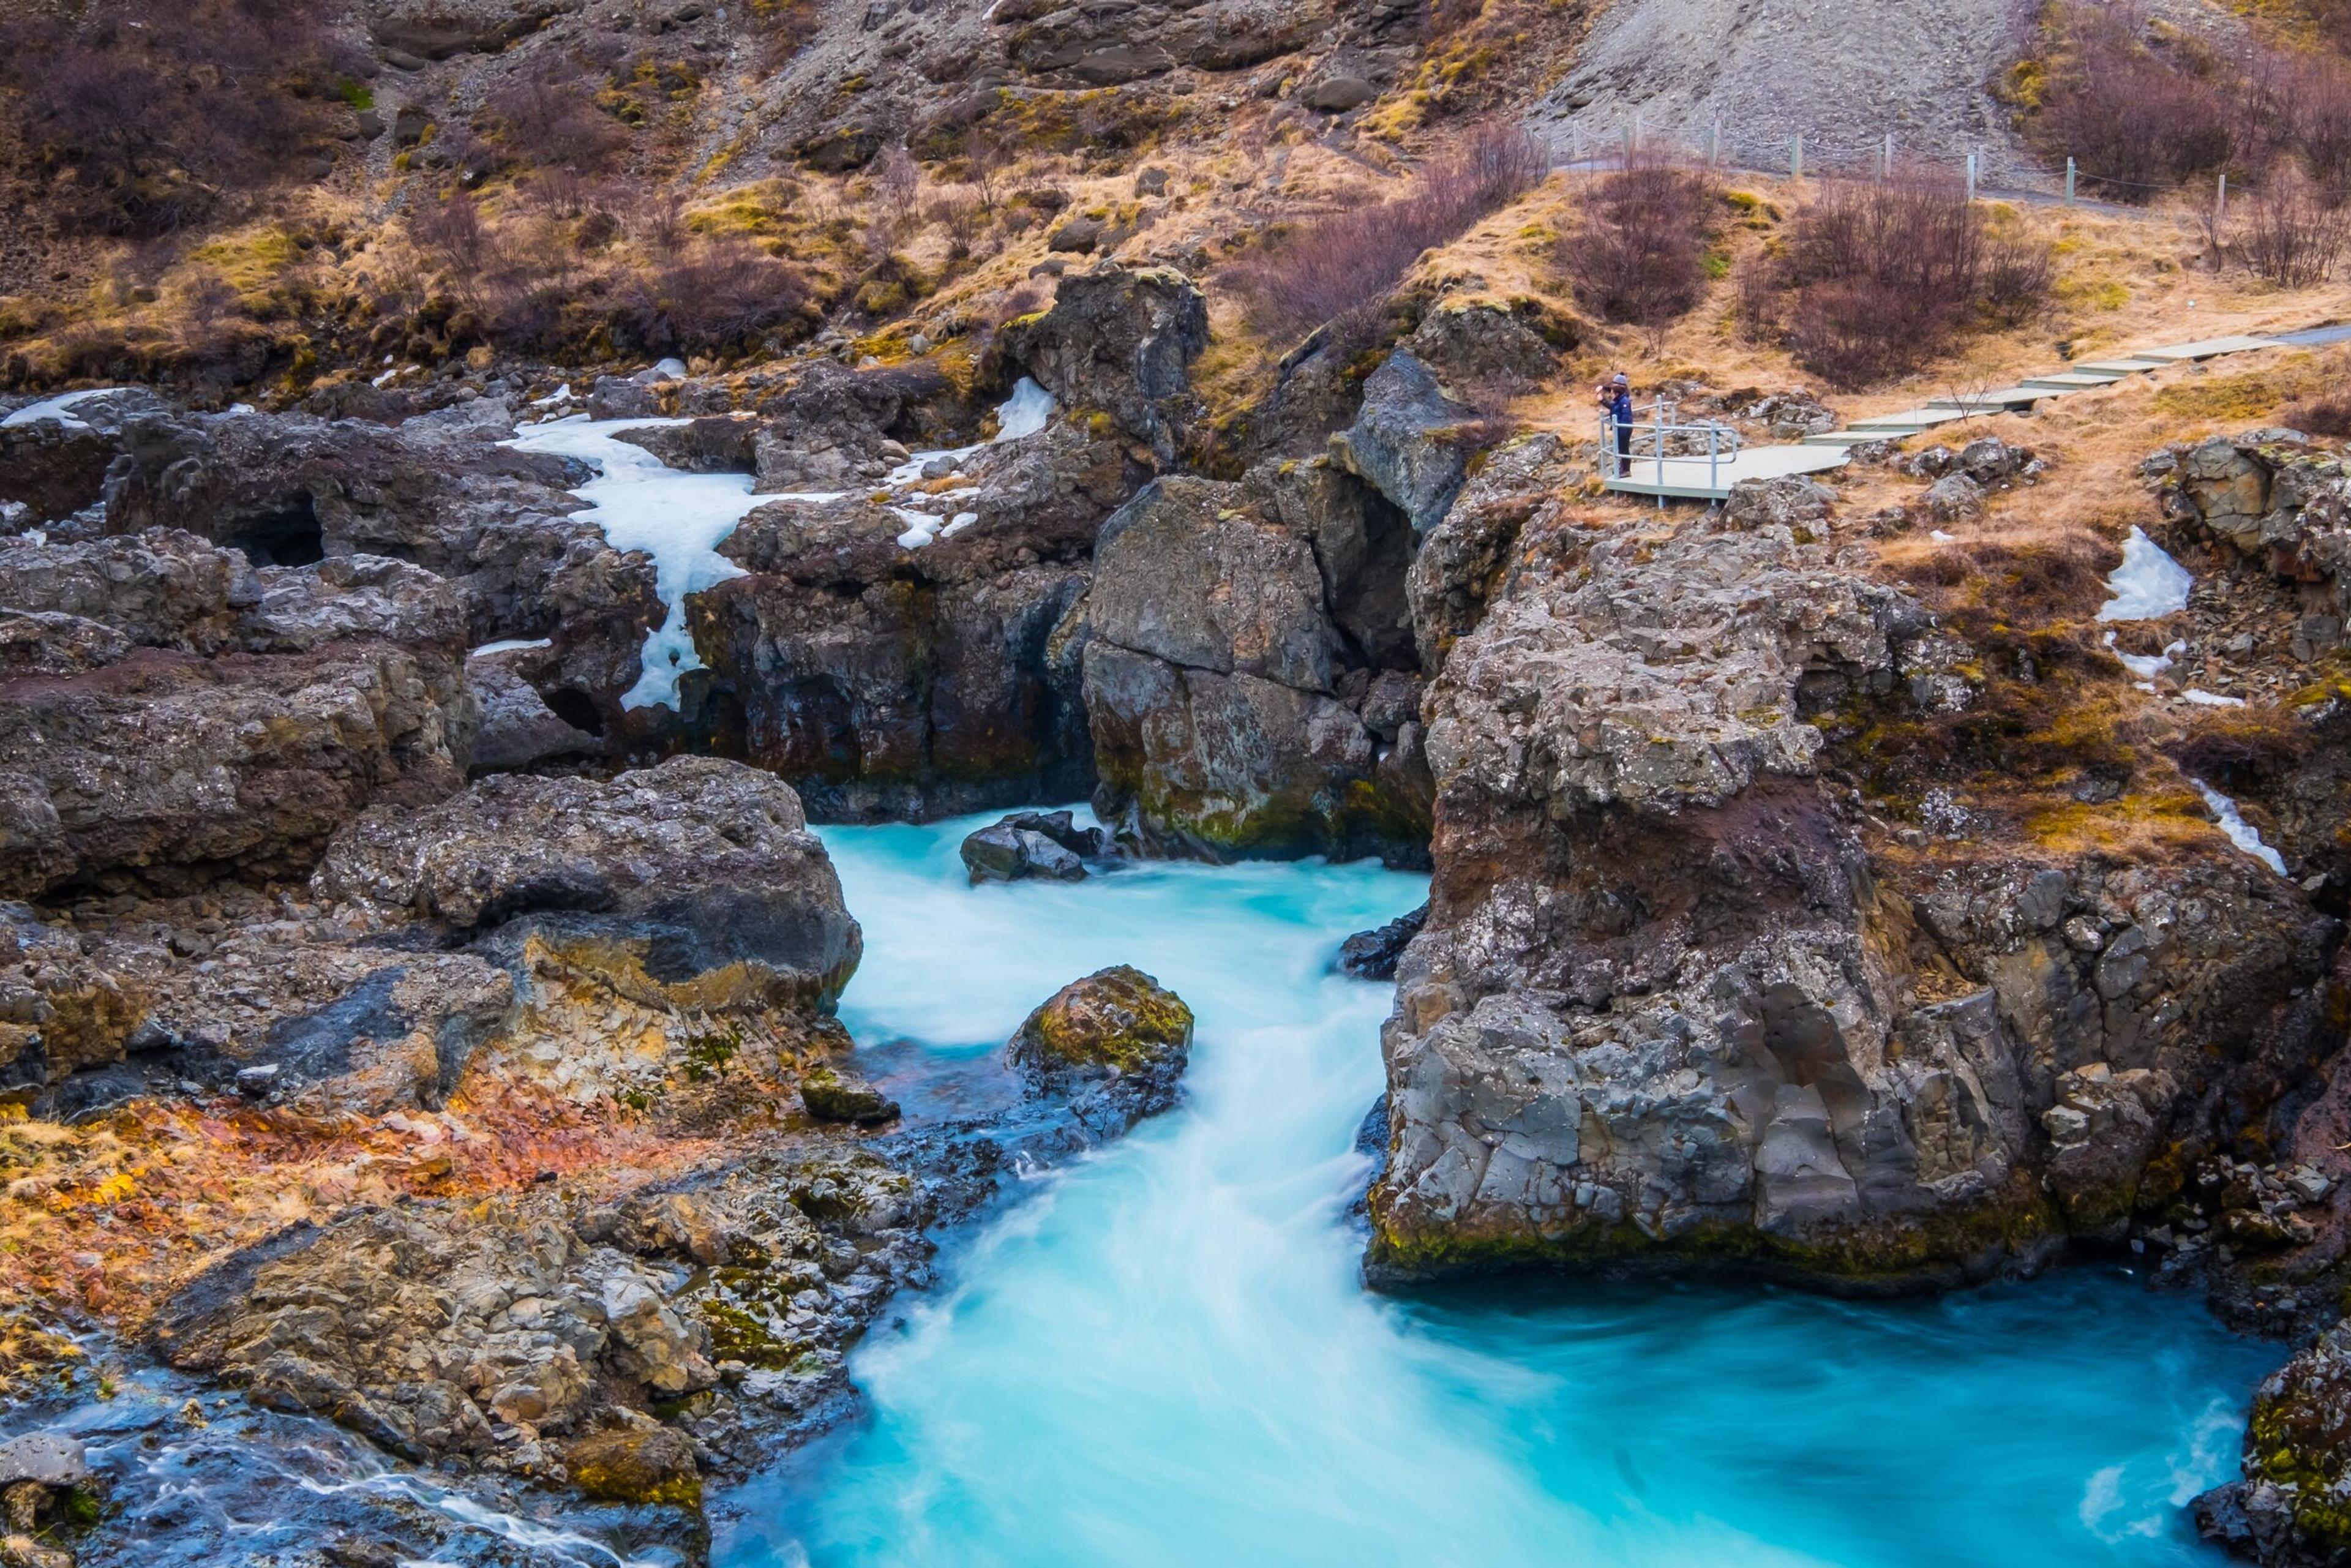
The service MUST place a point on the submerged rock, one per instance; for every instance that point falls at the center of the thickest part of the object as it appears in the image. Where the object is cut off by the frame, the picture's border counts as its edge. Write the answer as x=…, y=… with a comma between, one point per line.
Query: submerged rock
x=1373, y=954
x=1031, y=844
x=1118, y=1038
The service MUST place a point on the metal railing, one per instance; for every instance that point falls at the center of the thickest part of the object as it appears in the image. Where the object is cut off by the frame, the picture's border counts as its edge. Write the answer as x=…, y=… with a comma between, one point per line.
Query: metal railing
x=1659, y=433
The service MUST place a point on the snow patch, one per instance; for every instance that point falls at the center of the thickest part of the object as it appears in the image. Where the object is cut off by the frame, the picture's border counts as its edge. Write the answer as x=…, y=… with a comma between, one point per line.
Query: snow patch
x=922, y=527
x=2147, y=667
x=1029, y=410
x=511, y=645
x=679, y=520
x=2241, y=833
x=60, y=408
x=2210, y=699
x=2147, y=584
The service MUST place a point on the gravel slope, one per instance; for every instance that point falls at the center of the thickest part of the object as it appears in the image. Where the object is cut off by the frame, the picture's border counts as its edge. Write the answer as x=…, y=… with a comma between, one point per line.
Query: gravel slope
x=1843, y=73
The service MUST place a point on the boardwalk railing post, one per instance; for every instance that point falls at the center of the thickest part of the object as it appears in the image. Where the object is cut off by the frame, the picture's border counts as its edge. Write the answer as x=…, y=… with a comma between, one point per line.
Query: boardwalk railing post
x=2069, y=182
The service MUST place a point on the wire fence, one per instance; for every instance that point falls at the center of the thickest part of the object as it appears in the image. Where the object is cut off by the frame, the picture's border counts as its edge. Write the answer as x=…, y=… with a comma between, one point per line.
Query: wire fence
x=1986, y=171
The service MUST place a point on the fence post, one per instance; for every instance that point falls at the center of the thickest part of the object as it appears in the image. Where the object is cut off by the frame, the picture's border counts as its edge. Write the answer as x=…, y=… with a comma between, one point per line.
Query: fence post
x=1714, y=144
x=1886, y=164
x=1628, y=146
x=2069, y=182
x=1637, y=130
x=1796, y=158
x=1971, y=179
x=2220, y=206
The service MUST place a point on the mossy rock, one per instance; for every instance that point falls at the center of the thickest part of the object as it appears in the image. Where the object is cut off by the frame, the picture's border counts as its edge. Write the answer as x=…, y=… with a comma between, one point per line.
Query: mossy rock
x=654, y=1465
x=1118, y=1021
x=831, y=1097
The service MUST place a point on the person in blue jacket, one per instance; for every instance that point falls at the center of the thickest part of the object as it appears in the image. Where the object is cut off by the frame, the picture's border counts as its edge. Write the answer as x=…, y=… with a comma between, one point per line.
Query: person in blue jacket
x=1616, y=400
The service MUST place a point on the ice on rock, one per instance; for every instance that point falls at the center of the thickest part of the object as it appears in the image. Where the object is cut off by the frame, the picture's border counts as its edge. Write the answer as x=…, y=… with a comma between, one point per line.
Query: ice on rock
x=1029, y=410
x=922, y=527
x=2241, y=833
x=511, y=646
x=60, y=408
x=2147, y=667
x=2210, y=699
x=679, y=520
x=2148, y=583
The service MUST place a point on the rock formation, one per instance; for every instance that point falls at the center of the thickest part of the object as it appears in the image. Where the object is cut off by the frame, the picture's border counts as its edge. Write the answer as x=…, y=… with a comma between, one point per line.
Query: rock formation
x=1678, y=998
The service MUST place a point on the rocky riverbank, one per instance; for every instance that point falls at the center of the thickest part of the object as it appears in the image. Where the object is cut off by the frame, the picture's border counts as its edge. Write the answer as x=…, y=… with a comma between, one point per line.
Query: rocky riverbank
x=414, y=1031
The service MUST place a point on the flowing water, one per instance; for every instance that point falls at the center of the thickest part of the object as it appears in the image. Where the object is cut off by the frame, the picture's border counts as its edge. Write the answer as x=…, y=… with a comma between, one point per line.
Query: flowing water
x=1165, y=1356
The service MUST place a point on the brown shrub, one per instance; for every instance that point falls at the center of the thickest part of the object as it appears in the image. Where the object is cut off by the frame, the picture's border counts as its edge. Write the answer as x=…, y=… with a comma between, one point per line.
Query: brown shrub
x=135, y=116
x=2136, y=122
x=2290, y=236
x=2329, y=416
x=1871, y=281
x=1641, y=259
x=720, y=298
x=546, y=119
x=1345, y=264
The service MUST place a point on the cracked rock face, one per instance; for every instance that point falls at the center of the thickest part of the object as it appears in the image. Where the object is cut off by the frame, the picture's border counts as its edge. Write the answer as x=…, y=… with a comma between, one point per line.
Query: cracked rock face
x=1233, y=711
x=708, y=862
x=1670, y=1003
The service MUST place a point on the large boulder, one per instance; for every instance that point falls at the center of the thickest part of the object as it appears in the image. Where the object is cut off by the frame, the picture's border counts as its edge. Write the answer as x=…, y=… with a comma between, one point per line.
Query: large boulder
x=885, y=682
x=2276, y=502
x=439, y=491
x=718, y=444
x=1675, y=1003
x=1117, y=1038
x=1412, y=441
x=133, y=758
x=1121, y=339
x=1226, y=720
x=403, y=1328
x=704, y=866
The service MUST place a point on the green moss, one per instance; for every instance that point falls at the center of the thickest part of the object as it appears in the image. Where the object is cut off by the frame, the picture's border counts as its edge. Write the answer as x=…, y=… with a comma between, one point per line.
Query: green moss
x=636, y=1468
x=1120, y=1017
x=737, y=1334
x=707, y=1053
x=1909, y=1252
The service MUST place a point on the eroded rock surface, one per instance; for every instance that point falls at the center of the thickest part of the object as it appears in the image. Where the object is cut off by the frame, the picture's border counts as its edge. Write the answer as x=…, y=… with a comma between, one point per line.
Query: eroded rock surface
x=1674, y=999
x=1249, y=677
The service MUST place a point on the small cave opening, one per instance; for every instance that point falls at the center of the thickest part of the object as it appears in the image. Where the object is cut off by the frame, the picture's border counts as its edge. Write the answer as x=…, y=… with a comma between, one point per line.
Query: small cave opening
x=576, y=708
x=289, y=536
